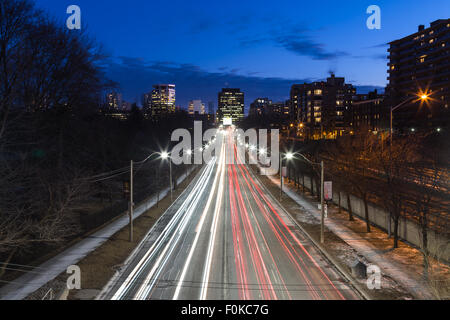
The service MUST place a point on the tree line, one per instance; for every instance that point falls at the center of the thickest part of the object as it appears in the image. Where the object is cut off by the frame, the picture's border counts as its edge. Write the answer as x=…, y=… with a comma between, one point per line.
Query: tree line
x=54, y=143
x=407, y=176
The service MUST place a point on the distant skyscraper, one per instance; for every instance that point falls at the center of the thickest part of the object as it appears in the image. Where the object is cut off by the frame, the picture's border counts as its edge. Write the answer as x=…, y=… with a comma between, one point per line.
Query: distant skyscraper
x=147, y=104
x=231, y=105
x=162, y=100
x=196, y=106
x=114, y=100
x=211, y=107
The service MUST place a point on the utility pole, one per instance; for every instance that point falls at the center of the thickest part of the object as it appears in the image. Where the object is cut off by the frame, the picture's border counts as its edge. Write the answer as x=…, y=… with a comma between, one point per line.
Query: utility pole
x=322, y=223
x=170, y=174
x=281, y=177
x=131, y=205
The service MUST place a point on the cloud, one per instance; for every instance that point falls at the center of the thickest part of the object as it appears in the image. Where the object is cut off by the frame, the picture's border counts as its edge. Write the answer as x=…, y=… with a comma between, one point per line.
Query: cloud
x=381, y=45
x=295, y=38
x=303, y=46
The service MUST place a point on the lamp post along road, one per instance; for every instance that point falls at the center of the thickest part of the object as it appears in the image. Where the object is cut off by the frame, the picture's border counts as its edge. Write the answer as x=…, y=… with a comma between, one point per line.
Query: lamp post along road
x=322, y=221
x=422, y=97
x=168, y=156
x=163, y=155
x=170, y=174
x=131, y=205
x=281, y=176
x=289, y=156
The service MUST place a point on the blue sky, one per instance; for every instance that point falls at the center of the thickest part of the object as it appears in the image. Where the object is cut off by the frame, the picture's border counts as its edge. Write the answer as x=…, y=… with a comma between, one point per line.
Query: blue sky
x=260, y=46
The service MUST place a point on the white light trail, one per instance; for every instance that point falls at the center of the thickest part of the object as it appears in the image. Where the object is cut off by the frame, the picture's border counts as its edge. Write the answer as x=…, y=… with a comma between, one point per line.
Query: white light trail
x=173, y=223
x=199, y=228
x=213, y=232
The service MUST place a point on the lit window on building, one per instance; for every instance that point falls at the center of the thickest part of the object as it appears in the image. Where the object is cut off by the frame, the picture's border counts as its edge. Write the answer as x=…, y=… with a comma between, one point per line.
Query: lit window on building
x=318, y=92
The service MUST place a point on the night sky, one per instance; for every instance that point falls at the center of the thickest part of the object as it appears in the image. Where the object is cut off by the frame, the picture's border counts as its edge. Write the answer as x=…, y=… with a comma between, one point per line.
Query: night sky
x=262, y=47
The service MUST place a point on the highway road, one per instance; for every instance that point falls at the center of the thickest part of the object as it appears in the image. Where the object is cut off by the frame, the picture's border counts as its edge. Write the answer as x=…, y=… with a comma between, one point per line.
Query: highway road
x=226, y=237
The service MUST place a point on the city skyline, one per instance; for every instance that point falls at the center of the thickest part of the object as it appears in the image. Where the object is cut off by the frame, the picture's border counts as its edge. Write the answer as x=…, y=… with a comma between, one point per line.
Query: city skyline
x=253, y=48
x=311, y=160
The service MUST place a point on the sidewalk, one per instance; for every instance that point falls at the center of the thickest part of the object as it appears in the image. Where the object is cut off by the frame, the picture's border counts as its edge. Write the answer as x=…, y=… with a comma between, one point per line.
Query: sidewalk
x=401, y=268
x=28, y=283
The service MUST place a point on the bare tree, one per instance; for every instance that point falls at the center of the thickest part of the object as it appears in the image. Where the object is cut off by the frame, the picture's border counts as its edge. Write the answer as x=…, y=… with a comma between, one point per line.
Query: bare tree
x=351, y=162
x=47, y=75
x=393, y=165
x=427, y=198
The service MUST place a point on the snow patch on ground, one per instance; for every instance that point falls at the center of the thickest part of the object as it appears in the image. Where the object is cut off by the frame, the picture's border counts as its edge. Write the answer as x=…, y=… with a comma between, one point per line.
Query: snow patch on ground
x=370, y=248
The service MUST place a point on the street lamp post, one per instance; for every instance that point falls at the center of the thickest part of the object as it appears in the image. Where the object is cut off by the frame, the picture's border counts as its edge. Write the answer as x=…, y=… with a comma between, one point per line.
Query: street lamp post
x=163, y=155
x=171, y=182
x=422, y=97
x=288, y=156
x=167, y=155
x=131, y=204
x=281, y=176
x=322, y=209
x=322, y=175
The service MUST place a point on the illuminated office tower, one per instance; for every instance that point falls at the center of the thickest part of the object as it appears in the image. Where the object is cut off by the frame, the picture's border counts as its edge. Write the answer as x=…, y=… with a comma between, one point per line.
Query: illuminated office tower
x=163, y=100
x=231, y=105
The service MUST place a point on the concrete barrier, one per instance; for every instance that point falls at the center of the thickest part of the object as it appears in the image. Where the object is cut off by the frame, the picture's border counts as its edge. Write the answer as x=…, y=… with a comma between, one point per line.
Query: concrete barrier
x=408, y=230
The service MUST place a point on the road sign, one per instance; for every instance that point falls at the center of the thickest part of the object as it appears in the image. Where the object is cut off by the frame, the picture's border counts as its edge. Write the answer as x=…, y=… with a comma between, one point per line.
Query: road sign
x=328, y=190
x=284, y=171
x=126, y=189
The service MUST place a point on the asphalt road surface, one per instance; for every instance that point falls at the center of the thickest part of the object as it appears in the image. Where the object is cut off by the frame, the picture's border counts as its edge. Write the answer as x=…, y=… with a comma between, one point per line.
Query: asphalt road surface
x=226, y=237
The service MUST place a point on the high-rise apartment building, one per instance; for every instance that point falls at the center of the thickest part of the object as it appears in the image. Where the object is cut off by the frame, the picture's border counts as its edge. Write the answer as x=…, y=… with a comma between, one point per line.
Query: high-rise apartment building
x=196, y=107
x=420, y=64
x=322, y=109
x=369, y=112
x=259, y=107
x=211, y=109
x=231, y=105
x=162, y=100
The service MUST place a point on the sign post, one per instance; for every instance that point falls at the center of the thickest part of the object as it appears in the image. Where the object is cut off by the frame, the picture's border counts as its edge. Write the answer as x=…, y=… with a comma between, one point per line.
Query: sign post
x=328, y=189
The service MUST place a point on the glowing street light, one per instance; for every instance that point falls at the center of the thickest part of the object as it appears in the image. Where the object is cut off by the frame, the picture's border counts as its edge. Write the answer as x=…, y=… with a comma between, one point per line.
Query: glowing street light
x=289, y=155
x=164, y=155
